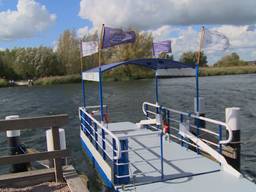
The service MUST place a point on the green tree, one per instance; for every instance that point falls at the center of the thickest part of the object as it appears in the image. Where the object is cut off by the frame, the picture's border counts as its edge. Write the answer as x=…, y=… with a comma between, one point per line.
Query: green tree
x=23, y=64
x=141, y=48
x=47, y=63
x=166, y=56
x=191, y=58
x=68, y=50
x=230, y=60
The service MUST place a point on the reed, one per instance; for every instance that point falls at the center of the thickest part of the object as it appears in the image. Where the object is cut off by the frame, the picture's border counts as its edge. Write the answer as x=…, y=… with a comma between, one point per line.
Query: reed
x=58, y=80
x=236, y=70
x=3, y=83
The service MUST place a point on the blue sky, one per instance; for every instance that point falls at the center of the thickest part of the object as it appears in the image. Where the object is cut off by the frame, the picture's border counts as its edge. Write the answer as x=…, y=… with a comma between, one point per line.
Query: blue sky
x=26, y=23
x=67, y=17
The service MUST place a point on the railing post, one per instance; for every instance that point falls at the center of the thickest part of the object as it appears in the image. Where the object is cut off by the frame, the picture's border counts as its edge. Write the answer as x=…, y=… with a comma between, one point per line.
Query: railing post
x=181, y=121
x=146, y=106
x=199, y=108
x=96, y=135
x=159, y=123
x=232, y=120
x=57, y=161
x=15, y=147
x=121, y=166
x=220, y=138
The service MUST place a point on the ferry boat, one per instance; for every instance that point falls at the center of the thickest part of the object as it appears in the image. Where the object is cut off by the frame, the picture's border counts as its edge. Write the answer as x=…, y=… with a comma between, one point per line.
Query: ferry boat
x=165, y=151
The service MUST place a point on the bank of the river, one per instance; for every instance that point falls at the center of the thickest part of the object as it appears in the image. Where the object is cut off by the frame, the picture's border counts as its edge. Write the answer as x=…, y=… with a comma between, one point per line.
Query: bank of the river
x=206, y=71
x=3, y=83
x=237, y=70
x=58, y=80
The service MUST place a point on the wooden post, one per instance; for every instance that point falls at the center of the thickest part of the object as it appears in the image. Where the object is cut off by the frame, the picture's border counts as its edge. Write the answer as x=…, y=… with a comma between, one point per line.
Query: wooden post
x=57, y=161
x=201, y=44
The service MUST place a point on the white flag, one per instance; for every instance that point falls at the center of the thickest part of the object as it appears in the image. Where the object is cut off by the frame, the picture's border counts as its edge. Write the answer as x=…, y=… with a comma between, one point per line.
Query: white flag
x=89, y=48
x=215, y=41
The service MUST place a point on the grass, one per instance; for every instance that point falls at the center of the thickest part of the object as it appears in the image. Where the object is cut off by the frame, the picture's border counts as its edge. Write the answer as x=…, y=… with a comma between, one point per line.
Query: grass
x=58, y=80
x=237, y=70
x=119, y=76
x=3, y=83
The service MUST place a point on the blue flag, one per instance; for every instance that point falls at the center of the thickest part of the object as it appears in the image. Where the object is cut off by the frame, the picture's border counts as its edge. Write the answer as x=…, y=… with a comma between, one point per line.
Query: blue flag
x=162, y=47
x=112, y=37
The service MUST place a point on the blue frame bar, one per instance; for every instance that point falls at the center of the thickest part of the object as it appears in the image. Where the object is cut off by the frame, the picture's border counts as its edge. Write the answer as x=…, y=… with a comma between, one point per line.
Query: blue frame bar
x=96, y=136
x=197, y=102
x=197, y=88
x=181, y=121
x=102, y=113
x=162, y=155
x=220, y=138
x=83, y=91
x=157, y=95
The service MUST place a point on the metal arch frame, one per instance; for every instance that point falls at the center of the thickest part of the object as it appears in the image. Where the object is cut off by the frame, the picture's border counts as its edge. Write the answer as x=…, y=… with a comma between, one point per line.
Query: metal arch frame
x=100, y=90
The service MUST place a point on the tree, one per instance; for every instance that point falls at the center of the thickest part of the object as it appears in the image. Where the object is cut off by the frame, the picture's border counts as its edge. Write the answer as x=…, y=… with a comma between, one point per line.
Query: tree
x=230, y=60
x=141, y=48
x=23, y=64
x=47, y=63
x=166, y=56
x=191, y=58
x=68, y=50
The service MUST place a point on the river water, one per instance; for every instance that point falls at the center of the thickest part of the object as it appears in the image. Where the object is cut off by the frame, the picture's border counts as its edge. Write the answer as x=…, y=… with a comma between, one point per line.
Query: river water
x=125, y=99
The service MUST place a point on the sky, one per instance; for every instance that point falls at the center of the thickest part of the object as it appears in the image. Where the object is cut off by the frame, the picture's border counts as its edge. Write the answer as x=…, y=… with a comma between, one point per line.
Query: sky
x=26, y=23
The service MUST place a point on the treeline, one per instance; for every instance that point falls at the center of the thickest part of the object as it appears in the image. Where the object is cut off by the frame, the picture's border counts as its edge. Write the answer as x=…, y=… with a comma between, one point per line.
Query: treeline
x=33, y=63
x=230, y=60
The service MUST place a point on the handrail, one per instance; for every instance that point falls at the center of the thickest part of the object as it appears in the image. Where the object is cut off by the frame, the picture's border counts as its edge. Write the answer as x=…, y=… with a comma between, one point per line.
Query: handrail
x=230, y=134
x=150, y=104
x=118, y=145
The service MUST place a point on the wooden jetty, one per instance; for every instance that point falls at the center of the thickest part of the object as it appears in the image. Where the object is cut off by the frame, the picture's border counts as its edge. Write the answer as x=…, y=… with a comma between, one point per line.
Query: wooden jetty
x=57, y=173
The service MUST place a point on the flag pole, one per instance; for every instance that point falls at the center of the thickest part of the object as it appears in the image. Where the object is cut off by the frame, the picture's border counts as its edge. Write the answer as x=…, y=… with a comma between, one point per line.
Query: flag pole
x=100, y=44
x=201, y=44
x=81, y=68
x=197, y=68
x=100, y=75
x=81, y=56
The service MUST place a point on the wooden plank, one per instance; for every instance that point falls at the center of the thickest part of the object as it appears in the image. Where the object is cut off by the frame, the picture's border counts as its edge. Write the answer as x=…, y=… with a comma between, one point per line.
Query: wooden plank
x=27, y=178
x=73, y=180
x=57, y=161
x=34, y=122
x=39, y=163
x=23, y=158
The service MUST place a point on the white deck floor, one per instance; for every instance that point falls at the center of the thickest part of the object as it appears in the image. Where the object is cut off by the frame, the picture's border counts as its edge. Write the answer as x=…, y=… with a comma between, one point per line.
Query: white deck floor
x=184, y=170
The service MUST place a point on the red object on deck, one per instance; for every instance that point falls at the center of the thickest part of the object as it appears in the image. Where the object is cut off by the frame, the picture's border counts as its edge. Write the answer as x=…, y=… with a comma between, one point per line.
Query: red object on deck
x=166, y=127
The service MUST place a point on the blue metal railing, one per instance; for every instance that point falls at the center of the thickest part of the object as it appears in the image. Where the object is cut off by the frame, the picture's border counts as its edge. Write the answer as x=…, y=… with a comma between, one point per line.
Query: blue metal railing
x=174, y=118
x=93, y=130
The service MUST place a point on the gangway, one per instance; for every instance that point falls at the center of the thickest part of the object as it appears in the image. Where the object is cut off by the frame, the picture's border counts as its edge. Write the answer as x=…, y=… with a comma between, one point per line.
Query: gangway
x=155, y=153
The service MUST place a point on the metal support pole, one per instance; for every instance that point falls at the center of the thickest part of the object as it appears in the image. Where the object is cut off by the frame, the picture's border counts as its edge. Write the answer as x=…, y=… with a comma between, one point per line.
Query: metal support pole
x=102, y=113
x=162, y=155
x=197, y=88
x=181, y=121
x=83, y=91
x=220, y=138
x=157, y=96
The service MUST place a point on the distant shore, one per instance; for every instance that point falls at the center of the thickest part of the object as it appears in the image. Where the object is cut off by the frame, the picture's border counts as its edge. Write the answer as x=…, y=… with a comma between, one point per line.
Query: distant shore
x=206, y=71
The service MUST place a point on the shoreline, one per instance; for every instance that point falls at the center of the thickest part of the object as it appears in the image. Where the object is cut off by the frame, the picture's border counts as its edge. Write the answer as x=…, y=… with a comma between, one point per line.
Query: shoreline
x=204, y=72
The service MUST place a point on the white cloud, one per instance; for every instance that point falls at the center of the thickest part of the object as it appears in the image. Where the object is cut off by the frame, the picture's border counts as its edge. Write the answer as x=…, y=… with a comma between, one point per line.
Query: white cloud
x=242, y=40
x=82, y=31
x=173, y=19
x=30, y=18
x=152, y=14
